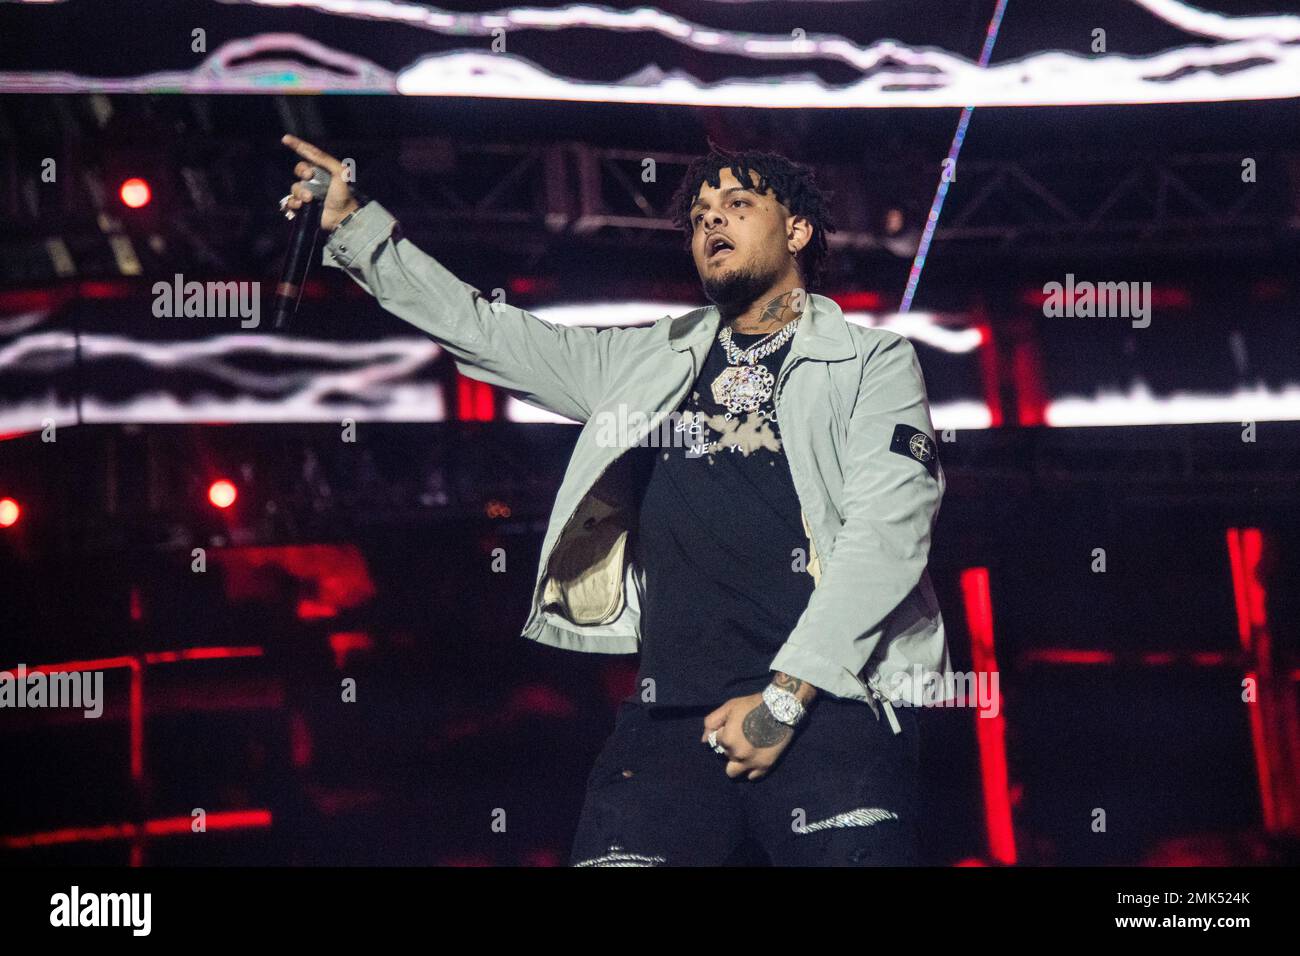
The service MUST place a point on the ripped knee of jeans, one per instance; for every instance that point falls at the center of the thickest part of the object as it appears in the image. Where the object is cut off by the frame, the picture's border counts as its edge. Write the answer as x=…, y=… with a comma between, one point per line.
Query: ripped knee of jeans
x=617, y=856
x=861, y=817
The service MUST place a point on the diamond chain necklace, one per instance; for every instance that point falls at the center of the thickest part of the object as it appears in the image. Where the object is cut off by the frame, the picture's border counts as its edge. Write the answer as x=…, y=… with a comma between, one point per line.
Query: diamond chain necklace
x=761, y=349
x=745, y=385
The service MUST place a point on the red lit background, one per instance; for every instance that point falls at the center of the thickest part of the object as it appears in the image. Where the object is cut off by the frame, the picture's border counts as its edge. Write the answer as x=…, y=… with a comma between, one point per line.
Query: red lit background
x=279, y=549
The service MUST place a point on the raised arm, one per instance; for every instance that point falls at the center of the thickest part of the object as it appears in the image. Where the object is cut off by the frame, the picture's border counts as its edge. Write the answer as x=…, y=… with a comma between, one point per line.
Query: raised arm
x=564, y=369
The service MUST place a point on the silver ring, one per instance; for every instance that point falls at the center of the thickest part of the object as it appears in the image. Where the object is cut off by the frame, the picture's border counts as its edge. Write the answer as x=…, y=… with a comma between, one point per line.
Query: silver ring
x=288, y=213
x=713, y=742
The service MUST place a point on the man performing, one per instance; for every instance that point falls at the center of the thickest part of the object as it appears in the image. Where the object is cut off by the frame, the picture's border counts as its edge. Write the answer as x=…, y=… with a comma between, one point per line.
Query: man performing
x=769, y=565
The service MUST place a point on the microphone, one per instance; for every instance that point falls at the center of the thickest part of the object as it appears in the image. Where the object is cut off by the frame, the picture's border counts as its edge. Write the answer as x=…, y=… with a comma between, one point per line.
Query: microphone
x=302, y=246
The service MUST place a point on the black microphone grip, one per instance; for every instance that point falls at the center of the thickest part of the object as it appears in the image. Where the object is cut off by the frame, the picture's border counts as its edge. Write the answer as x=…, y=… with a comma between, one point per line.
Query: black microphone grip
x=298, y=258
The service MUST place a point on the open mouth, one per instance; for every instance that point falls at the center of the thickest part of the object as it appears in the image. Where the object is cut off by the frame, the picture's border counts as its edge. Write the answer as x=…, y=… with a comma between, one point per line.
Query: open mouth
x=718, y=246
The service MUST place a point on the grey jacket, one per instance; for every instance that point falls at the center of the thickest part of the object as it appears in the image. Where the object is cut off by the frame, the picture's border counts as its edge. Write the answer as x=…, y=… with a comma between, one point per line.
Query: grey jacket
x=855, y=426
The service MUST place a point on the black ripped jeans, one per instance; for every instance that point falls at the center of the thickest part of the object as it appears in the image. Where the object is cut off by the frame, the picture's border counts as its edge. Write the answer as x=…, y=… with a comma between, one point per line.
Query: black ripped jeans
x=843, y=793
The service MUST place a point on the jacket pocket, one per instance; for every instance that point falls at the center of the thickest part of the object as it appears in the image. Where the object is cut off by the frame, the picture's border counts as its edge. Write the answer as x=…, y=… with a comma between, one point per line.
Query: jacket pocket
x=585, y=575
x=585, y=583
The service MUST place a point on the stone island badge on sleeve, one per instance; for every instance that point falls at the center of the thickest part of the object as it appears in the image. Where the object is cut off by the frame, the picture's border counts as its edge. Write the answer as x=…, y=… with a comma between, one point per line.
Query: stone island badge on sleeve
x=917, y=445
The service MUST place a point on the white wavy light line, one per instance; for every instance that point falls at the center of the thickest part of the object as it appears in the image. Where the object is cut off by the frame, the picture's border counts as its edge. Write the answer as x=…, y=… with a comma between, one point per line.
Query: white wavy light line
x=298, y=395
x=1271, y=30
x=605, y=314
x=961, y=416
x=1049, y=79
x=426, y=403
x=417, y=402
x=935, y=78
x=919, y=326
x=406, y=403
x=213, y=75
x=1138, y=406
x=14, y=324
x=175, y=353
x=1173, y=12
x=1206, y=23
x=377, y=364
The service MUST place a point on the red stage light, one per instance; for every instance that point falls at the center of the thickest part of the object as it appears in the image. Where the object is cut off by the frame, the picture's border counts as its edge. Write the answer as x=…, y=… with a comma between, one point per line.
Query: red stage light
x=222, y=493
x=135, y=193
x=9, y=512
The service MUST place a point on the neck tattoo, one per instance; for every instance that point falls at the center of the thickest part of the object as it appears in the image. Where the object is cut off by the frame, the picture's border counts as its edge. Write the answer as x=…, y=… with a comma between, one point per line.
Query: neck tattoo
x=776, y=314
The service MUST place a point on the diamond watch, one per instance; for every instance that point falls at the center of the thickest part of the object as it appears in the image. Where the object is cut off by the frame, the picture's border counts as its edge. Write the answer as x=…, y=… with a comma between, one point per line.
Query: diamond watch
x=785, y=706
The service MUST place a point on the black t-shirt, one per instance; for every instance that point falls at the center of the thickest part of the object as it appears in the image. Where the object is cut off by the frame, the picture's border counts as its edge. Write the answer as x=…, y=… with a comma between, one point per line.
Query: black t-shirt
x=719, y=525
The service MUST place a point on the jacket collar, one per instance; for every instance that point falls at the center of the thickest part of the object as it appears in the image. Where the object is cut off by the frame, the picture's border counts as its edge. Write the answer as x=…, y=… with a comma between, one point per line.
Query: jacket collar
x=823, y=331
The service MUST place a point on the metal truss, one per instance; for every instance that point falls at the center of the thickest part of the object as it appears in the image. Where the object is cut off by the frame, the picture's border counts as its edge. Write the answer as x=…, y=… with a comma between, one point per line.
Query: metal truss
x=217, y=211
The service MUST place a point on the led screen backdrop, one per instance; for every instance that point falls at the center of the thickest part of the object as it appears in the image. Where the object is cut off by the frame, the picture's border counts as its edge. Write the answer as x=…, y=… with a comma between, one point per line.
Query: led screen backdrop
x=75, y=349
x=826, y=53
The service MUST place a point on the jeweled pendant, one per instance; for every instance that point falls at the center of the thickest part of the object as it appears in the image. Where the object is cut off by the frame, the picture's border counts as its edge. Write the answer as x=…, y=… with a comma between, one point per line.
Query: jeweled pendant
x=743, y=388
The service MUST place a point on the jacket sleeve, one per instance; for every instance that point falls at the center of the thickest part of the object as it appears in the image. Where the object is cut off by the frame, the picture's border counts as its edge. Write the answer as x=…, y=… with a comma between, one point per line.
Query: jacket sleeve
x=879, y=555
x=563, y=369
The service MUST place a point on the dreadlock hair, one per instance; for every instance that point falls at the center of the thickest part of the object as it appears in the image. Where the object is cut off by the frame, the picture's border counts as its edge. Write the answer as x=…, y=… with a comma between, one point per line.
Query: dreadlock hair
x=794, y=185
